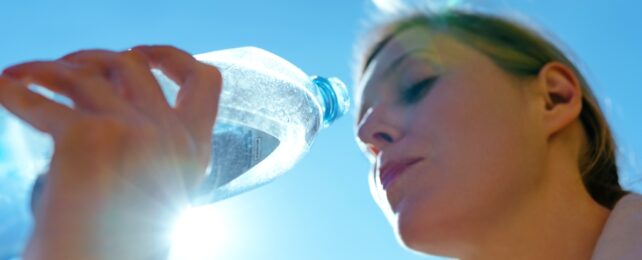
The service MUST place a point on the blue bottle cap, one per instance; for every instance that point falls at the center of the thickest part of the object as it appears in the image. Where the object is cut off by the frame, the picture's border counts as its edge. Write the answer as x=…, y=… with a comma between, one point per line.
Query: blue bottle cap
x=335, y=100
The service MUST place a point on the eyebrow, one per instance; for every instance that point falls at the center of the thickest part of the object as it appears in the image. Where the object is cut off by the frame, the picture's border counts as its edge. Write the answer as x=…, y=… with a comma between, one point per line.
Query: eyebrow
x=392, y=67
x=395, y=64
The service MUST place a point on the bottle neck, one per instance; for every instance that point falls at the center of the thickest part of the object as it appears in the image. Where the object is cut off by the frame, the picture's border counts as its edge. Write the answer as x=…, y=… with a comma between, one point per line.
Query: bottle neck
x=328, y=100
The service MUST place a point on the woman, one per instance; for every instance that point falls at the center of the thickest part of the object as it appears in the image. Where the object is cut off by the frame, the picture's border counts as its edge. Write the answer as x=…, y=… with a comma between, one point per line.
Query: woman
x=486, y=143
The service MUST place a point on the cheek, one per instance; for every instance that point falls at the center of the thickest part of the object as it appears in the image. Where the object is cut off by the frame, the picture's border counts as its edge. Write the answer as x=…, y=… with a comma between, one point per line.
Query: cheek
x=479, y=139
x=481, y=164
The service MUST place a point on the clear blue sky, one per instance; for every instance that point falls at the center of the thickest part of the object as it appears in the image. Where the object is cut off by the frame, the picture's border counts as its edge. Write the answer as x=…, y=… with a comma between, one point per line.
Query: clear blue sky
x=322, y=208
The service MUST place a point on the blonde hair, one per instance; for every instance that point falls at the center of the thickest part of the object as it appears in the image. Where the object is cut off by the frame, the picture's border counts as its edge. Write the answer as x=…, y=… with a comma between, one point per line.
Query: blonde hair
x=521, y=52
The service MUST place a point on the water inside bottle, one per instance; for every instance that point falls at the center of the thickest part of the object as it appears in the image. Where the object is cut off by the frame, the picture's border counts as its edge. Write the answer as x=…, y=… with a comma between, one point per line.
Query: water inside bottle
x=237, y=149
x=245, y=157
x=264, y=124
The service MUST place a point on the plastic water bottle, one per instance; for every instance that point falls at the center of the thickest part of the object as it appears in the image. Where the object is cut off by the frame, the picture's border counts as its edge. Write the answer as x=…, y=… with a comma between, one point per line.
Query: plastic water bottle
x=269, y=113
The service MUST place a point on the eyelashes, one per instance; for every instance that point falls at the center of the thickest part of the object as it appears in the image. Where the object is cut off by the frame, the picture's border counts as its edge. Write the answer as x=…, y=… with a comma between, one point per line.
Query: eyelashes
x=418, y=90
x=408, y=96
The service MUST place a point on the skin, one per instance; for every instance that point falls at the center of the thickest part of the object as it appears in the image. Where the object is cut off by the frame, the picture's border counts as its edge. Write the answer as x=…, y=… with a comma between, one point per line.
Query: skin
x=124, y=161
x=499, y=175
x=498, y=180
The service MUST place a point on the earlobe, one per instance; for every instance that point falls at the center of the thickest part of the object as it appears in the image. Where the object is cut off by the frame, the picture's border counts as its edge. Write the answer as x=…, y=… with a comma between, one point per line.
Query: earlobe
x=562, y=93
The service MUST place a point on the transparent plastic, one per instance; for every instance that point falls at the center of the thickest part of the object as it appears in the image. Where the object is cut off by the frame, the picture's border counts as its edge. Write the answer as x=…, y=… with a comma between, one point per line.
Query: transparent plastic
x=269, y=113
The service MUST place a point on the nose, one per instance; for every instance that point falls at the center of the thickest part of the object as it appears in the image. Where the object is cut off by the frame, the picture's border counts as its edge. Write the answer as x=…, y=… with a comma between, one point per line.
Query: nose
x=377, y=130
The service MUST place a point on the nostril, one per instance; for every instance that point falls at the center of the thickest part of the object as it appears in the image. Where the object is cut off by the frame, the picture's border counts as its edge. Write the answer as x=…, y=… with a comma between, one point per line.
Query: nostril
x=383, y=137
x=373, y=149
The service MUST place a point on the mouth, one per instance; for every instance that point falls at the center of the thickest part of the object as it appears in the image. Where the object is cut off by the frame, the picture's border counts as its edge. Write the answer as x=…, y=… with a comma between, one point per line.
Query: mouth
x=392, y=170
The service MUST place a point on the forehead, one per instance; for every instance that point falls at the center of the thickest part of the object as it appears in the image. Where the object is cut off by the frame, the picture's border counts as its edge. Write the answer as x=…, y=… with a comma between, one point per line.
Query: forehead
x=411, y=40
x=441, y=47
x=439, y=51
x=418, y=44
x=414, y=42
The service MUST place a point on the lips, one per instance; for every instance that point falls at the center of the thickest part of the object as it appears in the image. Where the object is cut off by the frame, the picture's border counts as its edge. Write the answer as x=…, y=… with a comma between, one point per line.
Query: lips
x=390, y=171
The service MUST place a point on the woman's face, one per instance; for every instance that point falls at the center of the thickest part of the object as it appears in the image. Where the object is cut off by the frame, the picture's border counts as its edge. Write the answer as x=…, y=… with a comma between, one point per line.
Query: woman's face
x=454, y=145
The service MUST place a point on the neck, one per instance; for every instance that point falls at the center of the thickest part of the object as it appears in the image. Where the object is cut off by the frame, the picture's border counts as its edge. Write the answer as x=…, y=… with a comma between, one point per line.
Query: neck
x=561, y=221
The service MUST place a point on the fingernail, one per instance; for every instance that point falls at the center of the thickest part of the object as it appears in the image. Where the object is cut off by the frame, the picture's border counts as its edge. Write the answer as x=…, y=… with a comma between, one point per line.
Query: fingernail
x=9, y=71
x=13, y=71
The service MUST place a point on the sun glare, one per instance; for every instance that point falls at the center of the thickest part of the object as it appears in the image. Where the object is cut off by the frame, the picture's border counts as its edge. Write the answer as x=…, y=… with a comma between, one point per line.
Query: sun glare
x=387, y=5
x=392, y=6
x=200, y=233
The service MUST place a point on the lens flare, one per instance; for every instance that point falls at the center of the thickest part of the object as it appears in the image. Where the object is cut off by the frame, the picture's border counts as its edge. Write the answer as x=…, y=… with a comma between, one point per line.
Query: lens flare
x=200, y=233
x=388, y=5
x=392, y=6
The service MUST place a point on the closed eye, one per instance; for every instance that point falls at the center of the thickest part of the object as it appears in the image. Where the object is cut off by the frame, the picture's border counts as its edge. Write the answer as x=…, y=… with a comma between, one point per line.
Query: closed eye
x=418, y=90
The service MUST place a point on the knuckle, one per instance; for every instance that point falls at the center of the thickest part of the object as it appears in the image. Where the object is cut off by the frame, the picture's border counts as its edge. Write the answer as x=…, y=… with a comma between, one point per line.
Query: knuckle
x=86, y=71
x=95, y=135
x=211, y=75
x=133, y=58
x=212, y=72
x=174, y=52
x=94, y=56
x=97, y=62
x=170, y=49
x=105, y=133
x=27, y=66
x=157, y=49
x=82, y=76
x=102, y=126
x=57, y=73
x=87, y=55
x=78, y=54
x=121, y=61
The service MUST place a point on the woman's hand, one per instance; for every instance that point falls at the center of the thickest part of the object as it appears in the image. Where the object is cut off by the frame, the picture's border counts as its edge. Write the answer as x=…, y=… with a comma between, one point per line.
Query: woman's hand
x=124, y=161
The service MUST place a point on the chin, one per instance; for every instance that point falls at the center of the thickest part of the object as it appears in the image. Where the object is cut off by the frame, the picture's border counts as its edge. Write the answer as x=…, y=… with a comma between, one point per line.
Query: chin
x=424, y=233
x=414, y=237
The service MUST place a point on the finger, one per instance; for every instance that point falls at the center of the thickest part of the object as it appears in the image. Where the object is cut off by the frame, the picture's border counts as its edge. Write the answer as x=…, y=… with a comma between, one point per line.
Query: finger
x=197, y=101
x=40, y=112
x=132, y=76
x=82, y=84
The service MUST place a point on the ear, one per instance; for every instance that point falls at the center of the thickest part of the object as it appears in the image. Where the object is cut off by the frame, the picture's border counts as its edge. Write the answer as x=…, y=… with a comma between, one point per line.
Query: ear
x=562, y=95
